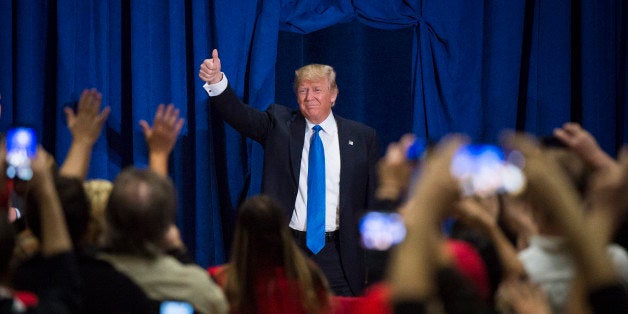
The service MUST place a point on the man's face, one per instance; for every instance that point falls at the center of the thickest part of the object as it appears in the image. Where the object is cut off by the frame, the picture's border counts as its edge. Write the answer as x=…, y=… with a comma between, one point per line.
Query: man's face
x=315, y=99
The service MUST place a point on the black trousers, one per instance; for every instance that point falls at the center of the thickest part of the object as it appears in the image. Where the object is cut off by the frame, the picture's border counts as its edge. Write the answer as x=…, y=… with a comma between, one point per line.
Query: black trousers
x=328, y=260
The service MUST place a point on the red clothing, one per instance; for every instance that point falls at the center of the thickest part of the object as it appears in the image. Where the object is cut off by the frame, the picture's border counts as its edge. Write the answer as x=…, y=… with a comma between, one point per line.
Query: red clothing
x=376, y=300
x=471, y=265
x=274, y=292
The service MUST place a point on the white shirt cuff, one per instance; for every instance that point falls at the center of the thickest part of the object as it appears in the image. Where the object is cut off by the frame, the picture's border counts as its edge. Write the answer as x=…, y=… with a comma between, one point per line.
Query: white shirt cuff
x=217, y=88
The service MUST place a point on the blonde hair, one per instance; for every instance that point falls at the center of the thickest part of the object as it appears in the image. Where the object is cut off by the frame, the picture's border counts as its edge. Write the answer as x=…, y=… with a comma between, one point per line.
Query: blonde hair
x=97, y=191
x=314, y=72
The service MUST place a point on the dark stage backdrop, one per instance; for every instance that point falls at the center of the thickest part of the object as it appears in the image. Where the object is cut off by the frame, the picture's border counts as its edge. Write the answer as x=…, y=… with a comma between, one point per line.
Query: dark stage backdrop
x=426, y=66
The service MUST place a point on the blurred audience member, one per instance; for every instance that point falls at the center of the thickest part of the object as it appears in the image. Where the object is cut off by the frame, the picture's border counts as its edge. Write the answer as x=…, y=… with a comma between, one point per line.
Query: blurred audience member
x=60, y=278
x=267, y=272
x=140, y=211
x=420, y=267
x=548, y=260
x=554, y=198
x=161, y=138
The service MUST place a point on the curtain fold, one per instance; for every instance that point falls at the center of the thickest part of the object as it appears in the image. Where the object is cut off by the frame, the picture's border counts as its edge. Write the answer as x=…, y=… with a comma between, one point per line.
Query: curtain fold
x=603, y=66
x=6, y=66
x=202, y=155
x=306, y=16
x=393, y=14
x=84, y=57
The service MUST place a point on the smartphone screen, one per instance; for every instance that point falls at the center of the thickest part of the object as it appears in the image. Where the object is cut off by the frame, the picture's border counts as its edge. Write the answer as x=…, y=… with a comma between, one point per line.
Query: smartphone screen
x=484, y=170
x=380, y=231
x=21, y=148
x=176, y=307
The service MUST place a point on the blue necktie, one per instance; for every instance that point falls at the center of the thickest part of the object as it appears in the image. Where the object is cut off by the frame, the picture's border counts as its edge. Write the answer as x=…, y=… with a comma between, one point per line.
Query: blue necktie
x=315, y=233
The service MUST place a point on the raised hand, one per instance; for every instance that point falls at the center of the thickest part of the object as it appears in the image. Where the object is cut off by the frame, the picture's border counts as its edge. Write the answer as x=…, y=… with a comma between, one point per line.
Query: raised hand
x=42, y=165
x=436, y=186
x=86, y=124
x=584, y=144
x=162, y=136
x=210, y=69
x=394, y=170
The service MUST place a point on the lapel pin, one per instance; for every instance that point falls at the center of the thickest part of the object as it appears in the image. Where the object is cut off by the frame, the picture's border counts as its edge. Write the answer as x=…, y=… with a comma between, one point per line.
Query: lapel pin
x=350, y=142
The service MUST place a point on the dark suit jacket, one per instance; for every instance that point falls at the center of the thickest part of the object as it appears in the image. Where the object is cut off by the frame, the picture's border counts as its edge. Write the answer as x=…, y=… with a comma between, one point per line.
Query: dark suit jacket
x=281, y=130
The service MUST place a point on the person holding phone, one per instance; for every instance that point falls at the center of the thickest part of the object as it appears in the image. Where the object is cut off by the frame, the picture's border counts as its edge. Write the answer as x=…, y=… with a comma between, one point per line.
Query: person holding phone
x=347, y=158
x=61, y=293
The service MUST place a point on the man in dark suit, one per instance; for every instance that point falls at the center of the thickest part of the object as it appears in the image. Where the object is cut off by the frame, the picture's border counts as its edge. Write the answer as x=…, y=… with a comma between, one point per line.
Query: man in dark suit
x=350, y=153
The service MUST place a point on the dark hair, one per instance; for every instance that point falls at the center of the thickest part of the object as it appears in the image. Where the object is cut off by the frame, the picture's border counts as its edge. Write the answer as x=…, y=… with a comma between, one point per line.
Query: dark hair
x=76, y=208
x=140, y=209
x=262, y=219
x=261, y=243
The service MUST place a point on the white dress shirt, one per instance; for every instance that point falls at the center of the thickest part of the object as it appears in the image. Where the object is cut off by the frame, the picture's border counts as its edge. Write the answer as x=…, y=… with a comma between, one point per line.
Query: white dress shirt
x=329, y=136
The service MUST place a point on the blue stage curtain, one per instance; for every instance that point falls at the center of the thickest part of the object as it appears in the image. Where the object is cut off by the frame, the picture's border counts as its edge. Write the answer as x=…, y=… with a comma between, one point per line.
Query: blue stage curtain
x=426, y=66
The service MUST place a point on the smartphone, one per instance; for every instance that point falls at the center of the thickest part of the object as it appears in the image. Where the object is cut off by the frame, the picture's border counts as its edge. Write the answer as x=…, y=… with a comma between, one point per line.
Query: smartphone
x=484, y=169
x=176, y=307
x=21, y=149
x=380, y=231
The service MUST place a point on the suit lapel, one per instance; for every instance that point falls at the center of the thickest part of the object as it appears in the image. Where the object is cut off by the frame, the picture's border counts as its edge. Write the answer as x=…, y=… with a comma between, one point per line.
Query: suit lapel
x=345, y=158
x=297, y=133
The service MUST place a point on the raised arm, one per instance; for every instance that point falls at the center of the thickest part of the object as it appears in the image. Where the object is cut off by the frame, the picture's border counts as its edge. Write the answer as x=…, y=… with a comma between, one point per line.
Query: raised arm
x=55, y=238
x=608, y=183
x=415, y=261
x=394, y=171
x=607, y=198
x=472, y=212
x=162, y=136
x=85, y=126
x=62, y=289
x=584, y=144
x=160, y=139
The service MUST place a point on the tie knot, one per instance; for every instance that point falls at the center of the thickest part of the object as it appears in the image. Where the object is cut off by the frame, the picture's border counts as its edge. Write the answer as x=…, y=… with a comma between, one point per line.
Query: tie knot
x=317, y=128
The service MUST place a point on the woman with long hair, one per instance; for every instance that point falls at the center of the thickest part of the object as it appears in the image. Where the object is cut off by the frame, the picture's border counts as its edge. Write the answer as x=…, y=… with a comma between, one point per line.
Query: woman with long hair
x=268, y=273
